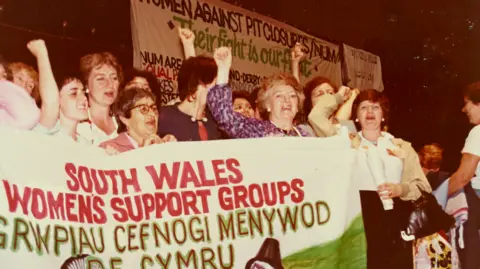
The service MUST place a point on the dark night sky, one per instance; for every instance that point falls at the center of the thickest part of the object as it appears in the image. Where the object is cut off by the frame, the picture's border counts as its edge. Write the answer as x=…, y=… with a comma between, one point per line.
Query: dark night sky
x=428, y=48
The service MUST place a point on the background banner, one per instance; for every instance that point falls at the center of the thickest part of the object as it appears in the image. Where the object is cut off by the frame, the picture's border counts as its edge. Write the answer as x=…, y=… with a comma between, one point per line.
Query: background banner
x=363, y=70
x=257, y=203
x=260, y=45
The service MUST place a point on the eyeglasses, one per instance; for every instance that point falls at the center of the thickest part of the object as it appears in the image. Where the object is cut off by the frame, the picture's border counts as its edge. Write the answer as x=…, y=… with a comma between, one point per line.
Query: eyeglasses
x=144, y=109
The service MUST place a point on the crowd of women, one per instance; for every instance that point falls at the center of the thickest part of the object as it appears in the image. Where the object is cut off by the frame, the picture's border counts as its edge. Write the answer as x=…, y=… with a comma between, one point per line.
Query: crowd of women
x=120, y=111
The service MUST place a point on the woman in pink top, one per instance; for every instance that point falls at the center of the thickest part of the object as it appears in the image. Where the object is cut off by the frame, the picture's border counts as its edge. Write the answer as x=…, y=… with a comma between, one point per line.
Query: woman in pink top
x=17, y=107
x=137, y=116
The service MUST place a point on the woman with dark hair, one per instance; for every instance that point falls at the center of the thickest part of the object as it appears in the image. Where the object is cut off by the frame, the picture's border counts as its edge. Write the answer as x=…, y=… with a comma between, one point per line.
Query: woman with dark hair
x=140, y=79
x=63, y=106
x=401, y=178
x=326, y=105
x=242, y=104
x=189, y=119
x=137, y=116
x=431, y=157
x=467, y=177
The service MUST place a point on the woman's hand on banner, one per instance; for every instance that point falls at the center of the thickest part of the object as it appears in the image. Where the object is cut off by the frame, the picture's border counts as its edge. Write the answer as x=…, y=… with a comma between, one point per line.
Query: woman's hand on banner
x=223, y=59
x=112, y=151
x=152, y=139
x=169, y=138
x=389, y=190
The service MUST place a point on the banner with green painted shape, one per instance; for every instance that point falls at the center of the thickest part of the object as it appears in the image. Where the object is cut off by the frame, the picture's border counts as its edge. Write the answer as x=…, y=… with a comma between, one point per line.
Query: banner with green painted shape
x=259, y=203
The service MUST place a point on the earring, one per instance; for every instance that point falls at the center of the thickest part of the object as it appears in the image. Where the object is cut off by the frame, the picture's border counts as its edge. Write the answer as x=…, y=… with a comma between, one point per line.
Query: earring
x=269, y=110
x=383, y=119
x=356, y=120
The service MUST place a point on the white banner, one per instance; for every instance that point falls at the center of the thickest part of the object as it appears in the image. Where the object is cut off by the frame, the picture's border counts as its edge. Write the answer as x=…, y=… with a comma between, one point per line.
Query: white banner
x=260, y=45
x=262, y=202
x=363, y=69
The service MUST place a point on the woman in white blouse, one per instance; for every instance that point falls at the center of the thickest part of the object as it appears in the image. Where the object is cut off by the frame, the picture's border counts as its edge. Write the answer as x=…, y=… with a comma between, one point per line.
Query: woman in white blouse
x=102, y=74
x=403, y=171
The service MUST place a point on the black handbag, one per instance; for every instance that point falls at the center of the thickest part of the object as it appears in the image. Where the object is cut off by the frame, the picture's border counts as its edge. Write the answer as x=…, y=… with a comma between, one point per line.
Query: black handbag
x=427, y=218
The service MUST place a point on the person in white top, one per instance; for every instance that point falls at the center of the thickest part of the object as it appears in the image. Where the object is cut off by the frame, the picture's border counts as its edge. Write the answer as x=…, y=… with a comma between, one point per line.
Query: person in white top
x=102, y=75
x=61, y=111
x=469, y=169
x=371, y=111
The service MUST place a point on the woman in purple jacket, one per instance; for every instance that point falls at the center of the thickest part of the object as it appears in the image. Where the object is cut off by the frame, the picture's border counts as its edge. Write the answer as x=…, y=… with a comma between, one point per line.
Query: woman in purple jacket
x=278, y=102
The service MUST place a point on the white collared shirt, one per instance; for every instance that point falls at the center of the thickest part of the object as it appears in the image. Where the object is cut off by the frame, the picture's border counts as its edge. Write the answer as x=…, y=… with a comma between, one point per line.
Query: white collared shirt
x=59, y=131
x=392, y=164
x=94, y=134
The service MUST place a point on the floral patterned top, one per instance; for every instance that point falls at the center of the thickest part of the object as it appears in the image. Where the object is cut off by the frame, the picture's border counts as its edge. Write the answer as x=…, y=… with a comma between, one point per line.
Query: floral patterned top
x=219, y=100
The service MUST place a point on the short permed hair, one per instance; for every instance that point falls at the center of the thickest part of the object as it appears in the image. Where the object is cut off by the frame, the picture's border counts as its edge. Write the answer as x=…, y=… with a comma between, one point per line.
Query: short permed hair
x=125, y=102
x=94, y=60
x=431, y=156
x=32, y=73
x=266, y=89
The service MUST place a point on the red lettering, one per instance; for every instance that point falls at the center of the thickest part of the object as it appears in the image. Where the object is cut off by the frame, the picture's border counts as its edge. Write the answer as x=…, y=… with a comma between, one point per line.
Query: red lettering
x=203, y=176
x=132, y=181
x=84, y=178
x=70, y=206
x=113, y=177
x=85, y=209
x=148, y=201
x=174, y=209
x=283, y=190
x=189, y=175
x=56, y=208
x=256, y=195
x=16, y=199
x=270, y=199
x=297, y=187
x=189, y=201
x=72, y=185
x=164, y=175
x=102, y=188
x=204, y=194
x=39, y=204
x=120, y=214
x=241, y=196
x=226, y=202
x=138, y=216
x=160, y=203
x=233, y=166
x=218, y=169
x=99, y=216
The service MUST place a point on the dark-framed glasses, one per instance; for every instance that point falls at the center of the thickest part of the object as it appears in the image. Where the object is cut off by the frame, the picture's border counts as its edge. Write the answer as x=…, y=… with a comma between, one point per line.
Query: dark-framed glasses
x=144, y=109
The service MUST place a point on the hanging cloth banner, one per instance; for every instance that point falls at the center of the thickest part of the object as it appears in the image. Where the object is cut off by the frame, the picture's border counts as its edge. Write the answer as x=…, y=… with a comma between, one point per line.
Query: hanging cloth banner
x=363, y=70
x=260, y=45
x=259, y=203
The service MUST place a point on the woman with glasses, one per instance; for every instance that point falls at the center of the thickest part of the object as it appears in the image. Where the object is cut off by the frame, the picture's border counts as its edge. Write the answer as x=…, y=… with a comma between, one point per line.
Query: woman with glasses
x=137, y=118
